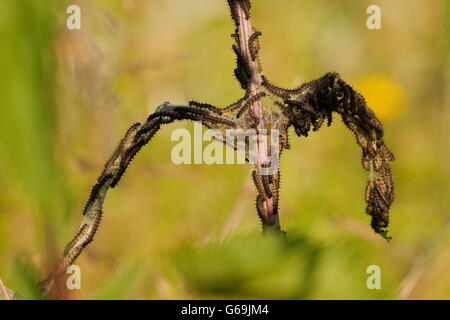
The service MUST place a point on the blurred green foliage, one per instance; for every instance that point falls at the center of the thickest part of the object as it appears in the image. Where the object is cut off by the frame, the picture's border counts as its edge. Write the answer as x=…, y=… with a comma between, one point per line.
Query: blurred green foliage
x=27, y=130
x=24, y=276
x=28, y=114
x=250, y=267
x=67, y=96
x=118, y=285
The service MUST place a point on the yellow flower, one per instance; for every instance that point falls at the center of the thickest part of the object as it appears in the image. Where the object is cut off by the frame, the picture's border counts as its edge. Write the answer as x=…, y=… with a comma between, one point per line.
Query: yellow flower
x=383, y=95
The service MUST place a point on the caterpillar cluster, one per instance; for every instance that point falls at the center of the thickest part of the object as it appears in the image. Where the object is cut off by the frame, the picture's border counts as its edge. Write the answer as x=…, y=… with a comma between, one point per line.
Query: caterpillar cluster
x=379, y=193
x=330, y=94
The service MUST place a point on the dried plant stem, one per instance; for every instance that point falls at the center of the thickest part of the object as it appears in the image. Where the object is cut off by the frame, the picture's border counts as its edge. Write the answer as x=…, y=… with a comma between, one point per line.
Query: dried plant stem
x=267, y=206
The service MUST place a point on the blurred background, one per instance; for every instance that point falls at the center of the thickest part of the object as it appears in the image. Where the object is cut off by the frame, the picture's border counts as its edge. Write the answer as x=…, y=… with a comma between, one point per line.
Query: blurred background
x=191, y=231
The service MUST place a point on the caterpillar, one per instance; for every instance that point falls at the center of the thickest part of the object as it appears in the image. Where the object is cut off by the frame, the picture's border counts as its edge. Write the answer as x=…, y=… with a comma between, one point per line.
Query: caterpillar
x=234, y=10
x=85, y=236
x=283, y=93
x=266, y=184
x=241, y=61
x=261, y=209
x=254, y=118
x=94, y=226
x=242, y=78
x=317, y=123
x=302, y=106
x=287, y=112
x=235, y=36
x=235, y=105
x=249, y=103
x=207, y=106
x=95, y=191
x=197, y=111
x=258, y=184
x=276, y=187
x=79, y=233
x=131, y=153
x=107, y=168
x=253, y=44
x=279, y=92
x=224, y=121
x=246, y=6
x=159, y=114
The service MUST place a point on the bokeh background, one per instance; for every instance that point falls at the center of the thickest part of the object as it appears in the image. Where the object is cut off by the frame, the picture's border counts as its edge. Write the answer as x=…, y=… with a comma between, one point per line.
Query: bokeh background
x=191, y=231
